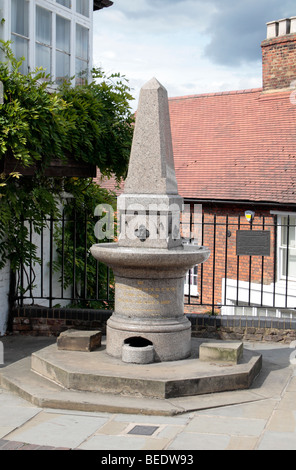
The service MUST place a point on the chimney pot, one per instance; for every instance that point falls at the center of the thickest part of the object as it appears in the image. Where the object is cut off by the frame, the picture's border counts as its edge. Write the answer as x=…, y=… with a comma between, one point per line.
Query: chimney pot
x=284, y=26
x=293, y=25
x=272, y=29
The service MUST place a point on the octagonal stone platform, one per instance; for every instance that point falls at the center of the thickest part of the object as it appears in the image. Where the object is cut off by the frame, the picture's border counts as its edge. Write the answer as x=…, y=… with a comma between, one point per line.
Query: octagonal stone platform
x=101, y=373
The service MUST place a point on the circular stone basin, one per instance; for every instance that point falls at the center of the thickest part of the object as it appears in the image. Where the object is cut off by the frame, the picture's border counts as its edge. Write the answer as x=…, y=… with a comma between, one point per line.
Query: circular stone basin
x=137, y=350
x=150, y=262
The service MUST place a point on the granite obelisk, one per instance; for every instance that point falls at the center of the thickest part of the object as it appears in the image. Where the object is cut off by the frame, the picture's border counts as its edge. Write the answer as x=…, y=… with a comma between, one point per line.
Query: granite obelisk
x=151, y=187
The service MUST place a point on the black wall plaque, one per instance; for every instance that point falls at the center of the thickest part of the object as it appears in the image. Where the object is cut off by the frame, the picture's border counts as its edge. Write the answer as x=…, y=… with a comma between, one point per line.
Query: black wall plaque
x=253, y=242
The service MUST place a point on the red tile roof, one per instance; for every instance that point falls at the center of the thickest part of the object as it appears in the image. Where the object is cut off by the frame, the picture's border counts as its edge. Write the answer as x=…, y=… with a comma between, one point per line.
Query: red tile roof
x=235, y=146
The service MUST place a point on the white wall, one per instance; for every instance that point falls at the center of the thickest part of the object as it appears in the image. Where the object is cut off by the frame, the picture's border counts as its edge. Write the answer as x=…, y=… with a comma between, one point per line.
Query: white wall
x=251, y=293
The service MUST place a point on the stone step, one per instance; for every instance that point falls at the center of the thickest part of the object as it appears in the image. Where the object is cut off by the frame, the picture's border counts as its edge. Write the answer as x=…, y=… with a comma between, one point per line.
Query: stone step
x=94, y=381
x=21, y=380
x=18, y=378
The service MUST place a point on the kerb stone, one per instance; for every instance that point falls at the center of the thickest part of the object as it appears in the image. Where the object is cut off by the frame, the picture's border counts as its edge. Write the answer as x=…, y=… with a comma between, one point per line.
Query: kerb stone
x=76, y=340
x=221, y=352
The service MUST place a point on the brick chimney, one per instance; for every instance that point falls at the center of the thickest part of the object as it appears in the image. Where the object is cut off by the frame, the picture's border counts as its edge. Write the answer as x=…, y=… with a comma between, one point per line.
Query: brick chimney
x=279, y=55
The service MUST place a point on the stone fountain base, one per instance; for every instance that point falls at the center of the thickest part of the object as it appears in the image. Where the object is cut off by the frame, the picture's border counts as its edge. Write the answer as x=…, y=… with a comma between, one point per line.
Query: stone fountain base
x=98, y=372
x=149, y=297
x=94, y=381
x=170, y=339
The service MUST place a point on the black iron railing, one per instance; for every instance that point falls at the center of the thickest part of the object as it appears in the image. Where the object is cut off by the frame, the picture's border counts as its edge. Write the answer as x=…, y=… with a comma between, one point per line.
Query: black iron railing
x=252, y=265
x=65, y=273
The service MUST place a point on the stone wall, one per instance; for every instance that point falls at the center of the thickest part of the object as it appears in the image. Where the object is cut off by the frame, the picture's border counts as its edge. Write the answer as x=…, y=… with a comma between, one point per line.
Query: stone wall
x=243, y=328
x=51, y=322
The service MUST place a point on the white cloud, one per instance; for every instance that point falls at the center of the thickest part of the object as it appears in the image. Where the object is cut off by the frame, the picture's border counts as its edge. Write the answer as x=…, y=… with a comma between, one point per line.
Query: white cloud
x=177, y=41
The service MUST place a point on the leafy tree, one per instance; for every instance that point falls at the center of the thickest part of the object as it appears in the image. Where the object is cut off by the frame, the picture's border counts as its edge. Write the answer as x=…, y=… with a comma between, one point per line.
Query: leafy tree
x=91, y=122
x=101, y=131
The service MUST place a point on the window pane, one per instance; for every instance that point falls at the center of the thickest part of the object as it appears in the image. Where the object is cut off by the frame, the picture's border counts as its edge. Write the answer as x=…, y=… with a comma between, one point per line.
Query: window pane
x=65, y=3
x=20, y=17
x=285, y=314
x=63, y=34
x=81, y=72
x=62, y=66
x=239, y=311
x=292, y=236
x=43, y=57
x=43, y=25
x=261, y=312
x=20, y=49
x=271, y=312
x=81, y=42
x=82, y=7
x=291, y=262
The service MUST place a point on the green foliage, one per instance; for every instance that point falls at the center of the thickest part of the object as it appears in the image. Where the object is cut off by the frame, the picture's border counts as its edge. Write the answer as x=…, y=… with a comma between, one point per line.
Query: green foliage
x=91, y=122
x=101, y=131
x=38, y=122
x=33, y=122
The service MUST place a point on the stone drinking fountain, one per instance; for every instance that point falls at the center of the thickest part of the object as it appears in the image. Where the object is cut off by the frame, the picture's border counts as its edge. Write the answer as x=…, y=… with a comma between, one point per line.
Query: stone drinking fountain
x=150, y=260
x=149, y=360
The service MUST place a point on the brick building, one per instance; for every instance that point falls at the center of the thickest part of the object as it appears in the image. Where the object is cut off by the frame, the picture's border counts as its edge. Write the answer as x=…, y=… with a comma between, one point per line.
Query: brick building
x=236, y=152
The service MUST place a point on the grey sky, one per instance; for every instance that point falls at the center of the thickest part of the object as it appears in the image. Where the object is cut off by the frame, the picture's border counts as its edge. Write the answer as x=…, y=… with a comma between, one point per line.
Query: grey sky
x=238, y=27
x=191, y=46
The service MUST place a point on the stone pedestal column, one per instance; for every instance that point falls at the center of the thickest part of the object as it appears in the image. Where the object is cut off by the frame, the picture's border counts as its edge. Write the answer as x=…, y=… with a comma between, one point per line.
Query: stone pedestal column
x=152, y=309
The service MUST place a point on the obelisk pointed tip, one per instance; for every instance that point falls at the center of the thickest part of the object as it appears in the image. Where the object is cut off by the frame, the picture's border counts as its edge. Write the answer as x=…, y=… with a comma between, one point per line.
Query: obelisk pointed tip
x=152, y=84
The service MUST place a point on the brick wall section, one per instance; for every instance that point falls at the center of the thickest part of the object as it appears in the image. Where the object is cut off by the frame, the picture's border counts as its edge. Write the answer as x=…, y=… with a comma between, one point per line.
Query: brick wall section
x=279, y=62
x=219, y=236
x=43, y=321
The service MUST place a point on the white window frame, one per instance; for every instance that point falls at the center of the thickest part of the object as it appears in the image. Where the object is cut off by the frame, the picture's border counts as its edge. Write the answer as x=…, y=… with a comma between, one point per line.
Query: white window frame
x=14, y=34
x=191, y=282
x=280, y=248
x=57, y=49
x=56, y=9
x=270, y=312
x=49, y=46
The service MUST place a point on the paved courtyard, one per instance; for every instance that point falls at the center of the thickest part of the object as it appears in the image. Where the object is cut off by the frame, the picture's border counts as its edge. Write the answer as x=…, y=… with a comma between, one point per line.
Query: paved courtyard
x=263, y=418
